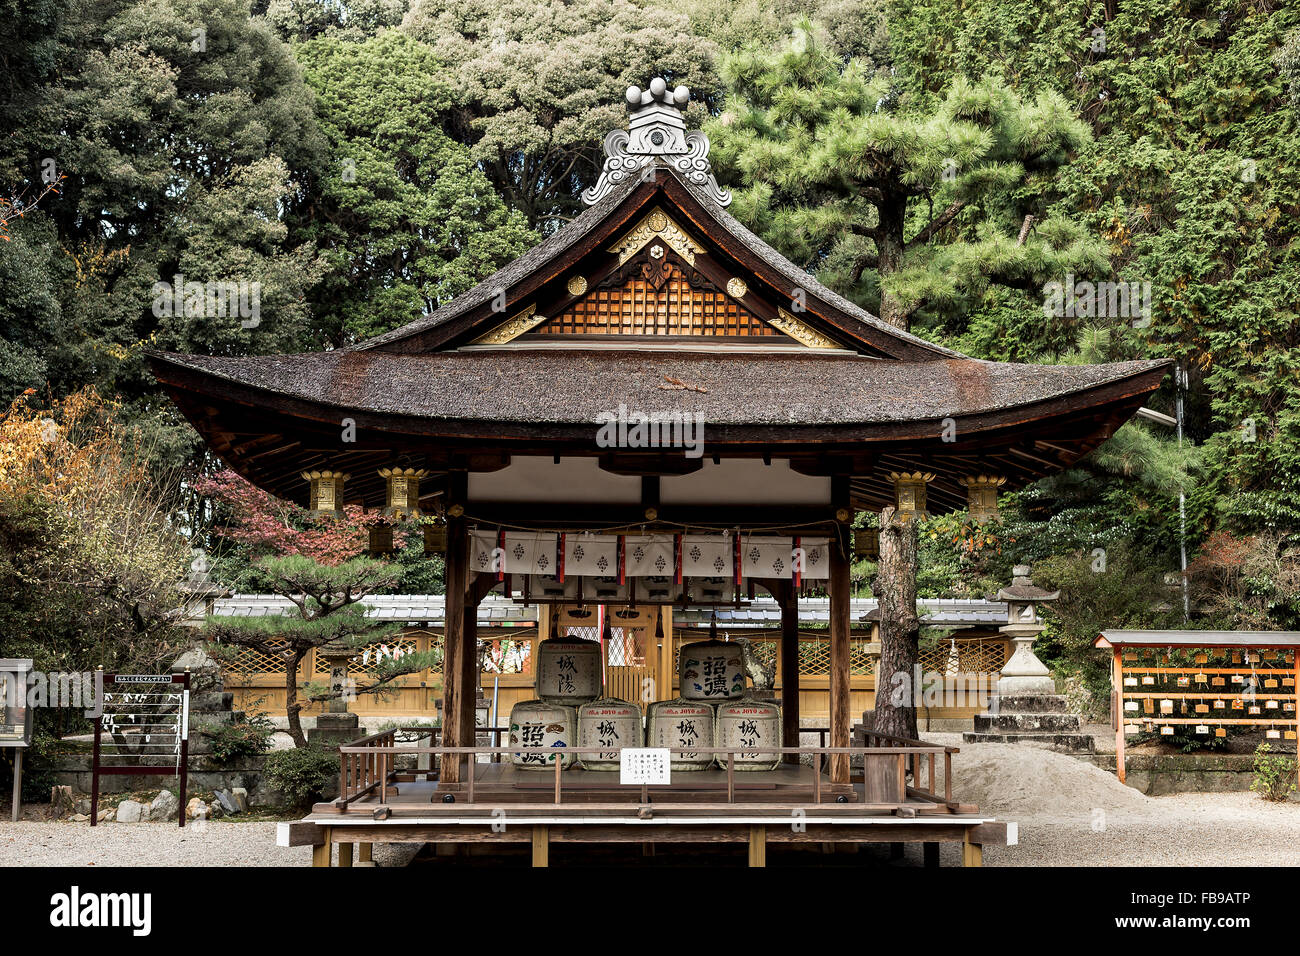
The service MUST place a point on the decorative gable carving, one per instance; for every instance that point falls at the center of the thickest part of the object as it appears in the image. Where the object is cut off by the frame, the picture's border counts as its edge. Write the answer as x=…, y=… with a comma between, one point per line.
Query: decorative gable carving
x=657, y=227
x=512, y=328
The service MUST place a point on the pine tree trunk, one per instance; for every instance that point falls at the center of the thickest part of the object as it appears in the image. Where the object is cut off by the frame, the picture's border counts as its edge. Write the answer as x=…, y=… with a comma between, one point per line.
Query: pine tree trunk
x=292, y=708
x=900, y=627
x=889, y=258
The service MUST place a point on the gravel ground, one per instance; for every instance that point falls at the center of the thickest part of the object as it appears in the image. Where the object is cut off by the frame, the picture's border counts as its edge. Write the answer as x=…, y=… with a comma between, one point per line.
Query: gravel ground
x=1073, y=813
x=1069, y=812
x=160, y=844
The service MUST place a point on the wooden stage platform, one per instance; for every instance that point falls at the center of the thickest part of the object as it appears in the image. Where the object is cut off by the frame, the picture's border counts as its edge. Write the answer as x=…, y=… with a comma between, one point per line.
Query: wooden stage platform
x=510, y=805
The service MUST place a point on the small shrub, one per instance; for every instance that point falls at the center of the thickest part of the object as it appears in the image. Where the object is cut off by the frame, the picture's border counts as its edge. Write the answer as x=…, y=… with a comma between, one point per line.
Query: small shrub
x=302, y=773
x=1274, y=774
x=249, y=738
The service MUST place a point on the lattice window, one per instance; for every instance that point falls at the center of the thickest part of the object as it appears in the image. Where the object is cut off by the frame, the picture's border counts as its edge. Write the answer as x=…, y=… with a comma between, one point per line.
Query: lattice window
x=977, y=656
x=815, y=658
x=251, y=662
x=374, y=655
x=675, y=309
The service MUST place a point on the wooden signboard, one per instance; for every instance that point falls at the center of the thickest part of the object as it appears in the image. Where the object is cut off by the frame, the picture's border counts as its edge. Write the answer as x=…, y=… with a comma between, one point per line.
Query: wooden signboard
x=146, y=718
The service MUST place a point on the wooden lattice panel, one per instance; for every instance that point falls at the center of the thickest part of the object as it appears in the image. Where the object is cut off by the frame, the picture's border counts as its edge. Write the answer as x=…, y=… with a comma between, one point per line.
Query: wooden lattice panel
x=252, y=663
x=507, y=656
x=367, y=663
x=675, y=309
x=964, y=657
x=814, y=655
x=815, y=658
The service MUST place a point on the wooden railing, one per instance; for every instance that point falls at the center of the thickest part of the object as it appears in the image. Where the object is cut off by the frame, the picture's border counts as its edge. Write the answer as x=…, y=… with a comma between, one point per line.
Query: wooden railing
x=914, y=750
x=370, y=763
x=368, y=766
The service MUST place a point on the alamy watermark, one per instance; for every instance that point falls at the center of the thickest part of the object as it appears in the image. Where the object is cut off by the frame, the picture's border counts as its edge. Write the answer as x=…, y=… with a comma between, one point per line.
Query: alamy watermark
x=634, y=429
x=212, y=300
x=83, y=690
x=935, y=689
x=1098, y=300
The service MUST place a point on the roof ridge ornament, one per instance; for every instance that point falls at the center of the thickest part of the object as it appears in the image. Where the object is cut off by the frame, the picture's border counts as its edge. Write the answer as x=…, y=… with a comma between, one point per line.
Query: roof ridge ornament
x=656, y=129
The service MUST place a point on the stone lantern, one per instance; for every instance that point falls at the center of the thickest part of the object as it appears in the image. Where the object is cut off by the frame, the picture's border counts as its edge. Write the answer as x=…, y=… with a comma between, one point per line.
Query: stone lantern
x=326, y=496
x=982, y=496
x=337, y=726
x=1024, y=674
x=1026, y=707
x=199, y=592
x=909, y=493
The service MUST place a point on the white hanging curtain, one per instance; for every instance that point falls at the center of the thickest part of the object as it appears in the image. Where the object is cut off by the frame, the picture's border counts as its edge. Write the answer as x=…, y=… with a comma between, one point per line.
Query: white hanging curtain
x=648, y=556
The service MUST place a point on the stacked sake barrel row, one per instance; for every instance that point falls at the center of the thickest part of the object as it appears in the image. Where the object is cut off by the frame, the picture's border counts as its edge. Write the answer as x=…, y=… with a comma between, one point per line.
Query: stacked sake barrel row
x=569, y=674
x=568, y=684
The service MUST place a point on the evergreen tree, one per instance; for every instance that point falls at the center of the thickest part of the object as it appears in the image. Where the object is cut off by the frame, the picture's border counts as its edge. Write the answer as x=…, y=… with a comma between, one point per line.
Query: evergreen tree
x=920, y=206
x=538, y=83
x=404, y=215
x=327, y=600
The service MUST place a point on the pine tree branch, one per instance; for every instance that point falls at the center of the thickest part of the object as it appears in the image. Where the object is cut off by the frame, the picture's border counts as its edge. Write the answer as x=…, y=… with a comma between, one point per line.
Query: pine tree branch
x=1024, y=230
x=940, y=221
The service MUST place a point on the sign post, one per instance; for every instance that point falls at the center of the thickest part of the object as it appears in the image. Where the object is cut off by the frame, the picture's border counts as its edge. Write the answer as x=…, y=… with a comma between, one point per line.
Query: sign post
x=15, y=720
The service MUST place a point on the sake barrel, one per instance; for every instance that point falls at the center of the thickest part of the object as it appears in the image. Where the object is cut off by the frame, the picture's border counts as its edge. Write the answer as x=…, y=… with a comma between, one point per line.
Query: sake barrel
x=607, y=722
x=568, y=670
x=711, y=670
x=542, y=731
x=749, y=722
x=681, y=723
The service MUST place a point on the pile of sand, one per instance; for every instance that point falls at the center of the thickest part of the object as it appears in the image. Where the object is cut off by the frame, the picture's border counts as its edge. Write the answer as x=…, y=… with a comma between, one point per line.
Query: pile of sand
x=1023, y=781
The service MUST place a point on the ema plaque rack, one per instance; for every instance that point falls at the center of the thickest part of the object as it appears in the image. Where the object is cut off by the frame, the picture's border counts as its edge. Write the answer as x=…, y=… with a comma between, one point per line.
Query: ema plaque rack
x=1203, y=684
x=146, y=718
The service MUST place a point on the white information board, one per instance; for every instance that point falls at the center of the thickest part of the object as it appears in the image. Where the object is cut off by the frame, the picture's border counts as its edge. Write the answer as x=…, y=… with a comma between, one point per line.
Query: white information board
x=644, y=765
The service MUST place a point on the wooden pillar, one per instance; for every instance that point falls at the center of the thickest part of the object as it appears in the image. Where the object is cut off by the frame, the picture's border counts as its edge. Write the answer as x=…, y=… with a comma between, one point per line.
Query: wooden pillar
x=839, y=664
x=470, y=678
x=972, y=854
x=453, y=646
x=665, y=676
x=345, y=854
x=1117, y=707
x=758, y=846
x=320, y=853
x=365, y=852
x=541, y=846
x=790, y=668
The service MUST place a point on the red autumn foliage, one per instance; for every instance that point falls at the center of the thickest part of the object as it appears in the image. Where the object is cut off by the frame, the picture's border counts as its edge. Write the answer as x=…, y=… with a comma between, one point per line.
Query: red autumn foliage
x=268, y=525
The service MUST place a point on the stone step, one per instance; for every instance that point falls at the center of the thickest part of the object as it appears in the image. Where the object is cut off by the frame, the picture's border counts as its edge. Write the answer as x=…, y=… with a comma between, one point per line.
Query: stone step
x=1066, y=743
x=1032, y=704
x=1027, y=723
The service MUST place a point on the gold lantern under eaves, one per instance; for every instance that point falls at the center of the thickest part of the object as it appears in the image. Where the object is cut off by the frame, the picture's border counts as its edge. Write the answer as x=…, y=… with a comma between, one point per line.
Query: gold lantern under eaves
x=866, y=543
x=325, y=497
x=909, y=493
x=402, y=496
x=982, y=496
x=435, y=539
x=381, y=538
